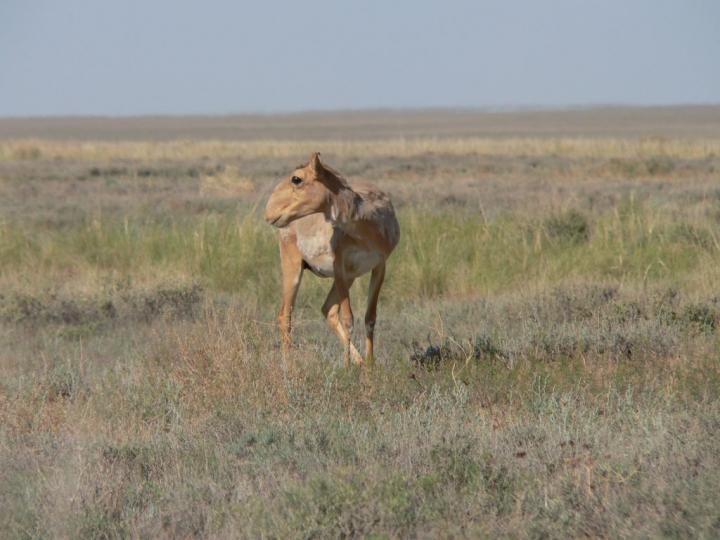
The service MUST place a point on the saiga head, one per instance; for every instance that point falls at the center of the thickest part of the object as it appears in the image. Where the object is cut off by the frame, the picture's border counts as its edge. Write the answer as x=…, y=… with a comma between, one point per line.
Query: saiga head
x=305, y=191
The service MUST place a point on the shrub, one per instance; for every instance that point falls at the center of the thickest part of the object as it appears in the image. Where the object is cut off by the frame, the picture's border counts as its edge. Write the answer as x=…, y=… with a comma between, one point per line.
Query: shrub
x=659, y=165
x=701, y=316
x=569, y=227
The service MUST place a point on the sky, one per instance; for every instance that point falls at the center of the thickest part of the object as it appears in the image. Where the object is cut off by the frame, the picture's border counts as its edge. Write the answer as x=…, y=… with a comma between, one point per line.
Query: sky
x=139, y=57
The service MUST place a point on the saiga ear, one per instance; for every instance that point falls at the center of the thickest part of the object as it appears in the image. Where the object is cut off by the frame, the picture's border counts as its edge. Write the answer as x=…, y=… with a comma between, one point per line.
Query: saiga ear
x=315, y=164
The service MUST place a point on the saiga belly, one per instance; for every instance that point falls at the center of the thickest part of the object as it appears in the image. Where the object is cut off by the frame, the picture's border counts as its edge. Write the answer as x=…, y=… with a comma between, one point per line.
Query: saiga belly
x=314, y=238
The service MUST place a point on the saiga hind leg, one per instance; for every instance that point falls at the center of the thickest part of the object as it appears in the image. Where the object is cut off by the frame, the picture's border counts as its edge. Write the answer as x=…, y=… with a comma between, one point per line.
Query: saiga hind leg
x=331, y=311
x=376, y=280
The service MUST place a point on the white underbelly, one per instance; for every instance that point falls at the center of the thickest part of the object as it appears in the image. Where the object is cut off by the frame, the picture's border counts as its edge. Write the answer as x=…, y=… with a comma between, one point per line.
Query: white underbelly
x=321, y=265
x=314, y=240
x=357, y=263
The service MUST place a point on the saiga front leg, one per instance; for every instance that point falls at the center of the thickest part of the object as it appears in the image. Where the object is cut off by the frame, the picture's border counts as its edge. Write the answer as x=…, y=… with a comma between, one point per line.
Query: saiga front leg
x=291, y=263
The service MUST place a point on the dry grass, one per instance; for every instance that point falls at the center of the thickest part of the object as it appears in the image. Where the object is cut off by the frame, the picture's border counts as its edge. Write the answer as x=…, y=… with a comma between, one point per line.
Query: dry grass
x=398, y=147
x=548, y=345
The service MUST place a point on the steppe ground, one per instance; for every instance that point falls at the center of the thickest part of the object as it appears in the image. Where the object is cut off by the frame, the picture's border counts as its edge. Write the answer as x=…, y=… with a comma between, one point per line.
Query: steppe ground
x=547, y=337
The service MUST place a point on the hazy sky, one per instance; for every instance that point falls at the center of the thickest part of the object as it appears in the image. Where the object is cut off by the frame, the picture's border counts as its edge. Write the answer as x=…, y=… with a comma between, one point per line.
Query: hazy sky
x=126, y=57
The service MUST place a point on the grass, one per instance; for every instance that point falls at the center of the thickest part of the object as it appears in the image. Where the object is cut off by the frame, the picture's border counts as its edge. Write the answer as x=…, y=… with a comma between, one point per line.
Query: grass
x=209, y=436
x=657, y=151
x=443, y=253
x=547, y=343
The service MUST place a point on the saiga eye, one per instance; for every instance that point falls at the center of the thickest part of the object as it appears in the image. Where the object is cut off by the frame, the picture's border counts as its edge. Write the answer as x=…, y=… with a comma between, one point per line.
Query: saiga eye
x=296, y=180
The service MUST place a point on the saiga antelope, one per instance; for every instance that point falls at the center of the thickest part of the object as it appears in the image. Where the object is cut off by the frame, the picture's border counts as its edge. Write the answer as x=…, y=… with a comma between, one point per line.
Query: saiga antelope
x=334, y=230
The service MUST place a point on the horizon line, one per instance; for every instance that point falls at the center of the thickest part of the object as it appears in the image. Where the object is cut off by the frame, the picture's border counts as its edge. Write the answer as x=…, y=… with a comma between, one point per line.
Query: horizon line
x=363, y=110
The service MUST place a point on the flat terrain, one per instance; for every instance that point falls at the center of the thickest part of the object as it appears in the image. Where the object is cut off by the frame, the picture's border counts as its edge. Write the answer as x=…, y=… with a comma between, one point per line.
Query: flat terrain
x=548, y=336
x=677, y=121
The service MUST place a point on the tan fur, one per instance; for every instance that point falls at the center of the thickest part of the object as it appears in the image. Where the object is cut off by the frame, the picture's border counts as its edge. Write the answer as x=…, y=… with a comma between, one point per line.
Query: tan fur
x=335, y=230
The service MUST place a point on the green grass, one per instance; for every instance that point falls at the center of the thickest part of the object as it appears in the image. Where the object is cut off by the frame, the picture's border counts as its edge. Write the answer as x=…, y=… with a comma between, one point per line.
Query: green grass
x=441, y=253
